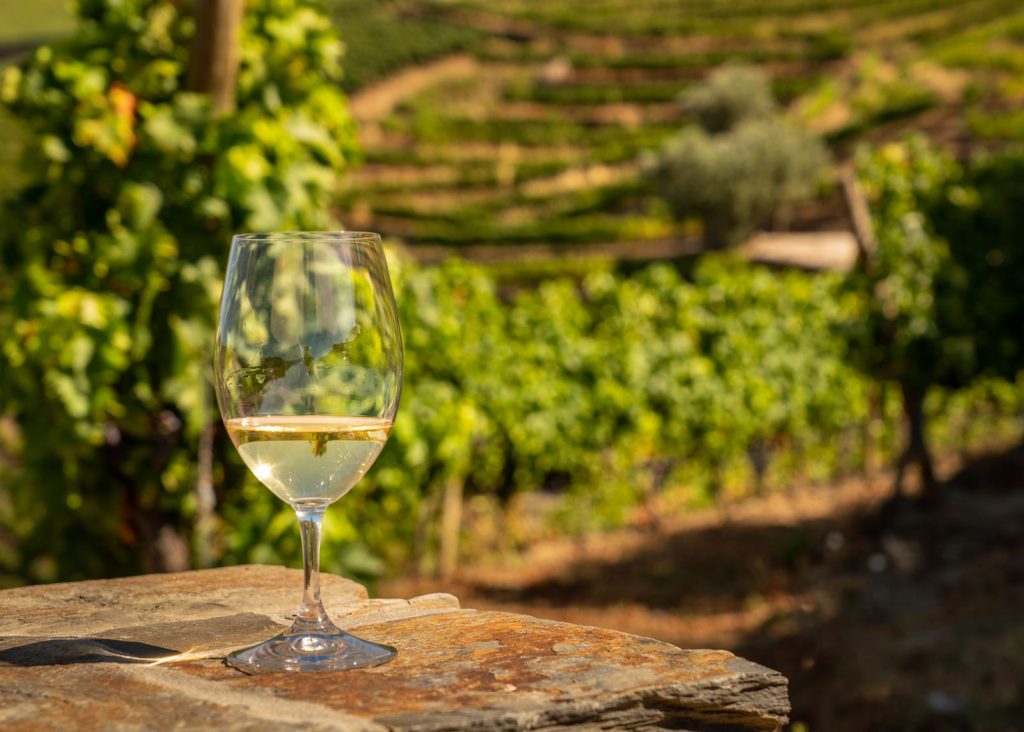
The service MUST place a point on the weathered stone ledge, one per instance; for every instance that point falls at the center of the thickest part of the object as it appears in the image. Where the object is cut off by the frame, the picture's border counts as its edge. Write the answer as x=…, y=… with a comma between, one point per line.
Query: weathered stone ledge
x=145, y=653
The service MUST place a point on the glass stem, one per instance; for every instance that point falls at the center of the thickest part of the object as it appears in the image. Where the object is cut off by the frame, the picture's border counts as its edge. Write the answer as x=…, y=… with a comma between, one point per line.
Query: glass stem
x=311, y=618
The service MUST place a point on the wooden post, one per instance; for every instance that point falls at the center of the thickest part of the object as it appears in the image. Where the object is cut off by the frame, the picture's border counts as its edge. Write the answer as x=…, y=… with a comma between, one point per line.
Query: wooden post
x=859, y=213
x=451, y=525
x=206, y=499
x=213, y=62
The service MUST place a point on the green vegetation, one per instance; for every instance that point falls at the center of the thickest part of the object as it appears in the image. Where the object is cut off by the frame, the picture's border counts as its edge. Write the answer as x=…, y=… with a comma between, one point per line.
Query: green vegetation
x=579, y=229
x=24, y=23
x=381, y=39
x=731, y=95
x=111, y=265
x=944, y=283
x=12, y=135
x=533, y=133
x=601, y=386
x=645, y=93
x=616, y=390
x=745, y=167
x=34, y=21
x=748, y=19
x=739, y=180
x=624, y=391
x=848, y=69
x=845, y=69
x=980, y=217
x=680, y=384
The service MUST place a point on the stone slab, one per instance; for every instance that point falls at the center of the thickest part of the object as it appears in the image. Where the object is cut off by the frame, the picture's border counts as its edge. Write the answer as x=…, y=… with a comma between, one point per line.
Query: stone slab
x=146, y=653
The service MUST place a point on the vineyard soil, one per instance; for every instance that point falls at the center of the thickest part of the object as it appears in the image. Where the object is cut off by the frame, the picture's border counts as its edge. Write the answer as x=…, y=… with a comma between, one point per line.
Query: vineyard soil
x=882, y=618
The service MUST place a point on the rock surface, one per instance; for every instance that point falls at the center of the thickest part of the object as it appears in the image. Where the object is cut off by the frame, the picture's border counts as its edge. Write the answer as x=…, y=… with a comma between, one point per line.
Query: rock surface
x=145, y=653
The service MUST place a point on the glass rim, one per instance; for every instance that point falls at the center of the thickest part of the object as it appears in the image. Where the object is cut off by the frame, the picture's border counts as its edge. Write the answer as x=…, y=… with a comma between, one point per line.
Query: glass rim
x=268, y=236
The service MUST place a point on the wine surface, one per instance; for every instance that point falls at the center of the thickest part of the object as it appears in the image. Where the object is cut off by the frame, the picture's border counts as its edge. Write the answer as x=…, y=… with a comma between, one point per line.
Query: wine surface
x=309, y=460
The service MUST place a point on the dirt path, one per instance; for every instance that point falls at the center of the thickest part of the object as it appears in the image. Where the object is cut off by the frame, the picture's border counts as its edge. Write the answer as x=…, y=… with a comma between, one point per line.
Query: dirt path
x=902, y=619
x=591, y=579
x=378, y=100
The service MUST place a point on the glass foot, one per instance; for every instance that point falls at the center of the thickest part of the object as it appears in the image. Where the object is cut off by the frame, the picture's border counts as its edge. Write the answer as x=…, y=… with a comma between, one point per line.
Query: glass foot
x=310, y=652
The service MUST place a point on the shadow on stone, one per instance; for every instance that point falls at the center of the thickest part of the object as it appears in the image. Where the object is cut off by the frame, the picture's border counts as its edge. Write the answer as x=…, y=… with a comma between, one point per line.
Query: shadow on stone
x=62, y=651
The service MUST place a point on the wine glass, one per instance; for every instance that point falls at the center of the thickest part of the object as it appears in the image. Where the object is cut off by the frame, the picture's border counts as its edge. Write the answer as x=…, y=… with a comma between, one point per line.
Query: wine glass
x=308, y=375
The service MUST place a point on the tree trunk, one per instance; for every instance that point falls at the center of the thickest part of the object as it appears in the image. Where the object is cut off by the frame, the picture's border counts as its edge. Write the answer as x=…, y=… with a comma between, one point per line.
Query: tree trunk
x=759, y=456
x=213, y=62
x=659, y=471
x=873, y=424
x=916, y=446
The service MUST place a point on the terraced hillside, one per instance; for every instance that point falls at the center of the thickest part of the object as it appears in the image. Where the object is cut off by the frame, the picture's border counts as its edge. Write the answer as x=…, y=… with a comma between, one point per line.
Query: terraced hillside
x=529, y=125
x=511, y=122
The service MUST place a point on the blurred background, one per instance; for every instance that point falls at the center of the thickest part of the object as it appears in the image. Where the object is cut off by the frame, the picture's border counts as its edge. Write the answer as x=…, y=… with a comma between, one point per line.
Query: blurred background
x=713, y=314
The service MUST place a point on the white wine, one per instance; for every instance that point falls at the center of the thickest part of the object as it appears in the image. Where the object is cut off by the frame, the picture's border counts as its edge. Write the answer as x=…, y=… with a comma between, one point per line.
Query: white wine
x=309, y=460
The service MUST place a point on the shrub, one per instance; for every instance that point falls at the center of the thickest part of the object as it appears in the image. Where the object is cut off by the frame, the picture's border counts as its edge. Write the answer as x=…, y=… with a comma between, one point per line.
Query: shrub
x=743, y=166
x=729, y=96
x=738, y=180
